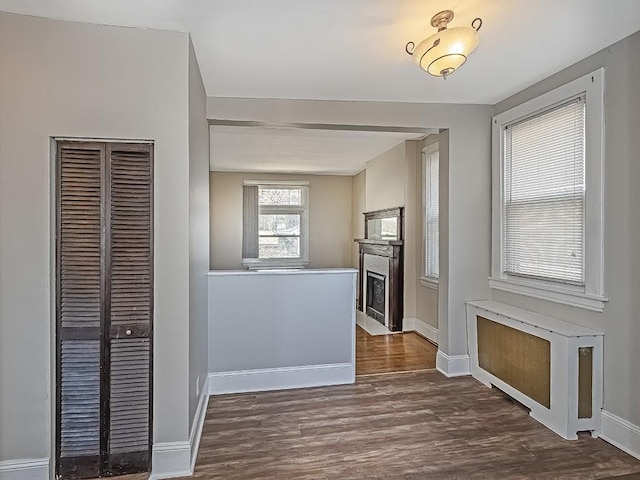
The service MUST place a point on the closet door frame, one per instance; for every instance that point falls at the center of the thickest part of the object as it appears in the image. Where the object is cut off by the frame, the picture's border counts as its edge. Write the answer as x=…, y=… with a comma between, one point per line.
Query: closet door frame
x=104, y=466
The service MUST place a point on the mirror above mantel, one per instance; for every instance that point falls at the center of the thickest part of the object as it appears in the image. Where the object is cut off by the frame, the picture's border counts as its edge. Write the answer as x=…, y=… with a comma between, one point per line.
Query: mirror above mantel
x=384, y=225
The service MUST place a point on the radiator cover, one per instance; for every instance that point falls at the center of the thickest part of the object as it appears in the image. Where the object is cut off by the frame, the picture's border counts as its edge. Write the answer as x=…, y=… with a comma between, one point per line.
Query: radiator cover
x=552, y=367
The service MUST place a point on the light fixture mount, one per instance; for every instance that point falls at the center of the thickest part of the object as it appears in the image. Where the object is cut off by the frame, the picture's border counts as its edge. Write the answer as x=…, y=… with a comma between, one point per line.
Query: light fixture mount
x=444, y=52
x=441, y=19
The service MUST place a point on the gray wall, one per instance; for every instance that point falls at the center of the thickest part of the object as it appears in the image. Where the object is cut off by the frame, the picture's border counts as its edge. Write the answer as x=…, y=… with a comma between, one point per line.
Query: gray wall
x=77, y=80
x=252, y=328
x=198, y=233
x=426, y=297
x=619, y=320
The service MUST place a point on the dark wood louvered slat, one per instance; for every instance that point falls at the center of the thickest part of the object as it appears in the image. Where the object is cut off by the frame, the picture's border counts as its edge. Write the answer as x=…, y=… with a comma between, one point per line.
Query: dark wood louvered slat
x=79, y=308
x=129, y=399
x=80, y=408
x=104, y=308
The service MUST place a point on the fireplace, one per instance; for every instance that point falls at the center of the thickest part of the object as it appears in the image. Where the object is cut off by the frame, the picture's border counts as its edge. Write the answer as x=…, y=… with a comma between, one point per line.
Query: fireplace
x=381, y=273
x=376, y=296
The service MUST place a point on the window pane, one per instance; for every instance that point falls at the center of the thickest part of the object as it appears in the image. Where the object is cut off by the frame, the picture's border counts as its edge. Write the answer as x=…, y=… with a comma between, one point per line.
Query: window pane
x=279, y=247
x=540, y=246
x=280, y=224
x=544, y=196
x=280, y=196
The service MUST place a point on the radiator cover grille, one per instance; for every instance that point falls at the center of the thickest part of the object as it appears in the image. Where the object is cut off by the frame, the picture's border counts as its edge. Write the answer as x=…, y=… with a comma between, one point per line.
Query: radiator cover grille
x=517, y=358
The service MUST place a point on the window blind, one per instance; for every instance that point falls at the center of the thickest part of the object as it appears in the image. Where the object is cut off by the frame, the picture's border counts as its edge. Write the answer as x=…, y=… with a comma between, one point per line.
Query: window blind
x=544, y=195
x=250, y=221
x=432, y=214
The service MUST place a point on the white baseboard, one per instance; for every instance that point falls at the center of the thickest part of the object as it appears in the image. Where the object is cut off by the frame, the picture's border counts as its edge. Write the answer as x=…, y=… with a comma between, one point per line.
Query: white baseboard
x=453, y=365
x=198, y=423
x=171, y=459
x=178, y=459
x=281, y=378
x=423, y=328
x=621, y=433
x=27, y=469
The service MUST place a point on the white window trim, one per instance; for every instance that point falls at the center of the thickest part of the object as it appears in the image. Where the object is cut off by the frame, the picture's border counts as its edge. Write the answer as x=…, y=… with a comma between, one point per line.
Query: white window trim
x=429, y=282
x=276, y=183
x=591, y=296
x=277, y=263
x=426, y=281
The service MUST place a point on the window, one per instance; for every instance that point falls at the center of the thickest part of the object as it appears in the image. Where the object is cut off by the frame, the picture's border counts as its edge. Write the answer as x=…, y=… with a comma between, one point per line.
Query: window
x=275, y=225
x=544, y=194
x=430, y=169
x=547, y=211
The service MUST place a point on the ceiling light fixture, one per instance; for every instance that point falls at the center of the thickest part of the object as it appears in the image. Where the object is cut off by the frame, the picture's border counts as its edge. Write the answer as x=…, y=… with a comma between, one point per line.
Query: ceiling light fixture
x=444, y=52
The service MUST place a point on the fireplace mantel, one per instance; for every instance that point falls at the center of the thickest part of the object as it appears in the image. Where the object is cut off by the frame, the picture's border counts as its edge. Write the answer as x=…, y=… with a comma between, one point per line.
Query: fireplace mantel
x=382, y=248
x=379, y=242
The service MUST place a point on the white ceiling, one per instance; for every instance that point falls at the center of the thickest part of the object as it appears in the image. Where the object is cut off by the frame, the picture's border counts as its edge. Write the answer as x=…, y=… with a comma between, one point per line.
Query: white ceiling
x=354, y=49
x=290, y=150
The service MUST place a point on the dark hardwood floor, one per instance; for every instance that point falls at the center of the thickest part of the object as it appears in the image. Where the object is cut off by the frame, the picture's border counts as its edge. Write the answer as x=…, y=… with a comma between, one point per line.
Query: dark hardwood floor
x=416, y=425
x=399, y=352
x=410, y=425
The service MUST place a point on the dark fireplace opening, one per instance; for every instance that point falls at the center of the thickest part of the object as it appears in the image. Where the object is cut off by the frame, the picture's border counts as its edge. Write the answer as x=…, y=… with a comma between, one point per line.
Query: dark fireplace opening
x=376, y=296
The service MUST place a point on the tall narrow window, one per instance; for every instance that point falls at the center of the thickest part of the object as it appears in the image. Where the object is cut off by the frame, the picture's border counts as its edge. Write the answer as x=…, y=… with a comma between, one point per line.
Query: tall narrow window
x=430, y=167
x=547, y=196
x=275, y=225
x=544, y=195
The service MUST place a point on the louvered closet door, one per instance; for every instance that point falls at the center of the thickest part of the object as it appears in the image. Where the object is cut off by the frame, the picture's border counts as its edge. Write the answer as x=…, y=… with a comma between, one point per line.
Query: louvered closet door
x=79, y=308
x=130, y=307
x=104, y=308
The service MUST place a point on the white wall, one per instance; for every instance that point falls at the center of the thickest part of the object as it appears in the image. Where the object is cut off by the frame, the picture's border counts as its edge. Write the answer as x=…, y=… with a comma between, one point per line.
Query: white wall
x=390, y=183
x=330, y=239
x=619, y=320
x=385, y=183
x=467, y=221
x=75, y=80
x=393, y=179
x=358, y=207
x=198, y=233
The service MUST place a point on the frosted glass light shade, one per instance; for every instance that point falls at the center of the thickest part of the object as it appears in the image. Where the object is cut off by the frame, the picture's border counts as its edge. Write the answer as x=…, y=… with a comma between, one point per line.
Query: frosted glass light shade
x=442, y=53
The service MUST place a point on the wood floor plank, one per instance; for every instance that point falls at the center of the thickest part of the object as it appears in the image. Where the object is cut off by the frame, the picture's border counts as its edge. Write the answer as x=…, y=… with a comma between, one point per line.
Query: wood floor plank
x=416, y=425
x=399, y=352
x=413, y=425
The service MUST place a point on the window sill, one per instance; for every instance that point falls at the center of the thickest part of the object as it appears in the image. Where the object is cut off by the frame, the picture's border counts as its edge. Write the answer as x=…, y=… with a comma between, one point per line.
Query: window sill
x=431, y=283
x=549, y=292
x=274, y=263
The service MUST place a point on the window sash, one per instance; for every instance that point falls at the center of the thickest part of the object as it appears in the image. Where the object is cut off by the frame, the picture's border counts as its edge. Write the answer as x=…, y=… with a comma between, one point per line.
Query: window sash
x=252, y=210
x=544, y=195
